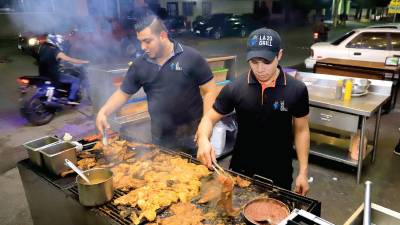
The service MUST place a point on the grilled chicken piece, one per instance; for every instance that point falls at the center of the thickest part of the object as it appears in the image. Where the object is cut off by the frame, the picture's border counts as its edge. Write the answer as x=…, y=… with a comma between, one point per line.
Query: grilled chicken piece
x=180, y=182
x=242, y=182
x=83, y=164
x=184, y=214
x=226, y=195
x=220, y=190
x=211, y=191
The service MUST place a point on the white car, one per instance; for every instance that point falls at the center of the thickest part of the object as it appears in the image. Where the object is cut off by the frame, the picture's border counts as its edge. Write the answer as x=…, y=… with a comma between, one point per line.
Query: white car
x=373, y=43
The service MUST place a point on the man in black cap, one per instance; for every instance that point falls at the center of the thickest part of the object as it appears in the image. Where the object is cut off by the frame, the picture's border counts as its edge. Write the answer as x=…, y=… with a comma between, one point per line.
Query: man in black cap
x=272, y=114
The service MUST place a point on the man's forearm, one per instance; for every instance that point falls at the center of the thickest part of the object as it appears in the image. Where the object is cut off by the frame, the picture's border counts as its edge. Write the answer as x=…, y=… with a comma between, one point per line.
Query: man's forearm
x=117, y=99
x=205, y=129
x=78, y=61
x=302, y=143
x=208, y=101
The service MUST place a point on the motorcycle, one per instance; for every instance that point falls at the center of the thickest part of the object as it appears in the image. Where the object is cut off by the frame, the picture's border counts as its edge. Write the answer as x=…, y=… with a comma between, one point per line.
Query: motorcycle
x=320, y=37
x=42, y=97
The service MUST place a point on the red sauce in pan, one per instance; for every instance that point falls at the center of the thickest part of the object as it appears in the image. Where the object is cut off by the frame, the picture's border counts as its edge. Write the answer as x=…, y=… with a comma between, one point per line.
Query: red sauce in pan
x=266, y=210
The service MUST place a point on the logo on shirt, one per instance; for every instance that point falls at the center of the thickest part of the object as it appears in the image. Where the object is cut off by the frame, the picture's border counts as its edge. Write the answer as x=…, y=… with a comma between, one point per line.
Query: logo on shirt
x=279, y=105
x=175, y=66
x=275, y=105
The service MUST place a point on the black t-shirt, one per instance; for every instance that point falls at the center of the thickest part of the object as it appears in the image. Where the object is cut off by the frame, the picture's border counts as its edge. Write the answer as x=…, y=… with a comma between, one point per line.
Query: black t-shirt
x=48, y=63
x=264, y=143
x=172, y=90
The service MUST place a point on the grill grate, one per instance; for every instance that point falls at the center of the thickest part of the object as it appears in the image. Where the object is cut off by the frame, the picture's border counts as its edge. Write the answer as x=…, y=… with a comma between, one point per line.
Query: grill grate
x=108, y=209
x=241, y=196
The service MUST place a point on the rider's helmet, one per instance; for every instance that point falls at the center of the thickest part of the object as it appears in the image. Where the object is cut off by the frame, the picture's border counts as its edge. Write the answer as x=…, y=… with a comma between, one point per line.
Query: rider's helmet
x=55, y=40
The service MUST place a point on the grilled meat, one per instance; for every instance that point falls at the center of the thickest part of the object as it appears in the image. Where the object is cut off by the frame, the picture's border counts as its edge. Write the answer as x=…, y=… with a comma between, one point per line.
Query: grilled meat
x=220, y=190
x=184, y=214
x=181, y=182
x=241, y=182
x=226, y=195
x=83, y=164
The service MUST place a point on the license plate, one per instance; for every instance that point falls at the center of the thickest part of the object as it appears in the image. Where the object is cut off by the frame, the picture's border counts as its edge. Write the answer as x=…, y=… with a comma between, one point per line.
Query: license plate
x=197, y=32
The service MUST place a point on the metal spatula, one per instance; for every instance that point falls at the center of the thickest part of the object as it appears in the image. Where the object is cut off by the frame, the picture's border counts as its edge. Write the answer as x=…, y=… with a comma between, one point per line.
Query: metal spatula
x=77, y=170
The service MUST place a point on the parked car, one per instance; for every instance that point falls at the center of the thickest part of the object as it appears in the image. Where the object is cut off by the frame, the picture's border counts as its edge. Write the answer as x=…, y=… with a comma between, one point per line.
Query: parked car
x=220, y=25
x=251, y=22
x=365, y=44
x=175, y=25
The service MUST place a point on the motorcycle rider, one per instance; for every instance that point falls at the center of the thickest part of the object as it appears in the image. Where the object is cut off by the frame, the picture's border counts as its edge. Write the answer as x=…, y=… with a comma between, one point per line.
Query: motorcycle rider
x=321, y=30
x=50, y=55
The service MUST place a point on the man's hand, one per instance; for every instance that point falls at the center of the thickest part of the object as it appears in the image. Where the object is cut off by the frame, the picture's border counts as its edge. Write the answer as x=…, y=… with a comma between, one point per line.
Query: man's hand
x=101, y=122
x=205, y=152
x=302, y=186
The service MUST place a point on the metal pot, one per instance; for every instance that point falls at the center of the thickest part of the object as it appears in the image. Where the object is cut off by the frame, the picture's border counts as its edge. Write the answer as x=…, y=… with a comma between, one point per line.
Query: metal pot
x=99, y=191
x=251, y=221
x=360, y=85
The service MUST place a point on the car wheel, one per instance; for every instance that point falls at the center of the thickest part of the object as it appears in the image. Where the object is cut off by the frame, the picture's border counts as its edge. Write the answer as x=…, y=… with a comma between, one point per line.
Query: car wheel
x=217, y=34
x=243, y=33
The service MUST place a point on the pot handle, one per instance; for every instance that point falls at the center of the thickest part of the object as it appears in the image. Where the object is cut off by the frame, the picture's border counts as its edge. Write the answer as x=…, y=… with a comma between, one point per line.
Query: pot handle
x=263, y=180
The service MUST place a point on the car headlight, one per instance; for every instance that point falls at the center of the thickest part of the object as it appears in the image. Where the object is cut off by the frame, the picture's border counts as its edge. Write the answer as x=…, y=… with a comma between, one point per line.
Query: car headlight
x=32, y=41
x=209, y=28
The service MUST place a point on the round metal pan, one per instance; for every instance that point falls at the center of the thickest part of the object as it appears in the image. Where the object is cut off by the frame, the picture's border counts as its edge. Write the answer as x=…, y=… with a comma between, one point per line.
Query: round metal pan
x=267, y=218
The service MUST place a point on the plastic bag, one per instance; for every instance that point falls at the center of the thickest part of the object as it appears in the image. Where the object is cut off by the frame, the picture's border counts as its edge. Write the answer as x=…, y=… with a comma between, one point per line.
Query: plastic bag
x=218, y=137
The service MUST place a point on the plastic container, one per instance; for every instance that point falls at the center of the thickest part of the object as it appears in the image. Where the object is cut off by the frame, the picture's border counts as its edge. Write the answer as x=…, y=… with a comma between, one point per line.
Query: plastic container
x=220, y=74
x=347, y=90
x=218, y=138
x=339, y=90
x=34, y=147
x=54, y=156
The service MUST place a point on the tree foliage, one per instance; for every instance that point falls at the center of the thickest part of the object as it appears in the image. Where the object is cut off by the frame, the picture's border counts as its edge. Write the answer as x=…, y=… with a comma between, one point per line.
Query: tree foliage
x=372, y=3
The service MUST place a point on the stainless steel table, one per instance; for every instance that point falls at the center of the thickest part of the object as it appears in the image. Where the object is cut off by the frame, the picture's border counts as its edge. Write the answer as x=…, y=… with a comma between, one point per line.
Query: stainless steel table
x=348, y=116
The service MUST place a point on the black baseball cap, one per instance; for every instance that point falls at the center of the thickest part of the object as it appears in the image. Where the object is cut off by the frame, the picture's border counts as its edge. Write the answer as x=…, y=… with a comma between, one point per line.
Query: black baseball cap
x=263, y=43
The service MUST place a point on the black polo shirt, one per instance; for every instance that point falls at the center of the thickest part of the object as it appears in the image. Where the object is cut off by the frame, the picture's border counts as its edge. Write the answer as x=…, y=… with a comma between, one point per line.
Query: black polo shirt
x=173, y=93
x=49, y=65
x=264, y=143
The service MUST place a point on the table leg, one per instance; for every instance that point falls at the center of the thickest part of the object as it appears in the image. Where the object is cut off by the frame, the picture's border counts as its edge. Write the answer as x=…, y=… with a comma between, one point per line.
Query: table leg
x=395, y=91
x=360, y=149
x=376, y=133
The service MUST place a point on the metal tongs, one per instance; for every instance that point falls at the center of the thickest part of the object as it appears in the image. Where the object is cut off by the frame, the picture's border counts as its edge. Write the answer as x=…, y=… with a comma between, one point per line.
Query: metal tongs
x=218, y=169
x=105, y=137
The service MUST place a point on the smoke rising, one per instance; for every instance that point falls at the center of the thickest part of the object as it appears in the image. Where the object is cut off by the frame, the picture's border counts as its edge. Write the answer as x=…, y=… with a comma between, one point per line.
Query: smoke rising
x=96, y=30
